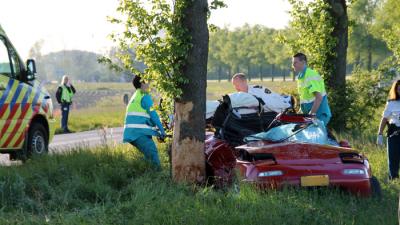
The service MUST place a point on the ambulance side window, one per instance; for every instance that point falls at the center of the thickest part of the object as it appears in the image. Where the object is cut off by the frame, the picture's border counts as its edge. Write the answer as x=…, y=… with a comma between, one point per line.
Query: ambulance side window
x=5, y=65
x=15, y=64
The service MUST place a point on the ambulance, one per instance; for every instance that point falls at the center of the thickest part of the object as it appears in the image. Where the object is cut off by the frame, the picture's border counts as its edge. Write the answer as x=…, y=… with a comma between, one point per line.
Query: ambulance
x=27, y=123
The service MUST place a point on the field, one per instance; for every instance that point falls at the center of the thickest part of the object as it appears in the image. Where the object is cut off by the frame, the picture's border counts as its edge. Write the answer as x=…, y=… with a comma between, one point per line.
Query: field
x=112, y=184
x=99, y=105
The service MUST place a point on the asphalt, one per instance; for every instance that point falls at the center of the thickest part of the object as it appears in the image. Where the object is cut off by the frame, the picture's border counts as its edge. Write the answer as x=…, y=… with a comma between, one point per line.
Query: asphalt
x=72, y=141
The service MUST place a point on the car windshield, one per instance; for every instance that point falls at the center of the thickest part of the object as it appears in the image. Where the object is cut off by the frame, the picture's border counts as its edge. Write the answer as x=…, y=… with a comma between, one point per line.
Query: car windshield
x=313, y=132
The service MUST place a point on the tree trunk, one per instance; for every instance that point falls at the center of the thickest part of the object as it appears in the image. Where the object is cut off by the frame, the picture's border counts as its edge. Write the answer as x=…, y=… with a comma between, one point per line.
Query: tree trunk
x=219, y=73
x=336, y=82
x=188, y=163
x=229, y=74
x=260, y=73
x=284, y=75
x=272, y=72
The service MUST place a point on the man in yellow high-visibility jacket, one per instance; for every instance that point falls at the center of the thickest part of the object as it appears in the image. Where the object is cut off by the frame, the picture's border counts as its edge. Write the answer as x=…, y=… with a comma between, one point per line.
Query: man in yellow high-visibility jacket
x=311, y=88
x=141, y=121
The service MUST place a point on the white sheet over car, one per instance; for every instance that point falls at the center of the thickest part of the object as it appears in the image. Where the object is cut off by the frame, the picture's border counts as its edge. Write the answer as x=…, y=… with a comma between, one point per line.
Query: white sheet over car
x=273, y=101
x=241, y=102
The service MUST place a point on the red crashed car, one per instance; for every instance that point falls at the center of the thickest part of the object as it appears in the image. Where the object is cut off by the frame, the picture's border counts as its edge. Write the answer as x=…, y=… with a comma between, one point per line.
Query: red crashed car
x=296, y=152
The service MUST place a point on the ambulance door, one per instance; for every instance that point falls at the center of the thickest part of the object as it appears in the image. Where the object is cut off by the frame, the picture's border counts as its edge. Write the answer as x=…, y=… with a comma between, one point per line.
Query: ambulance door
x=11, y=91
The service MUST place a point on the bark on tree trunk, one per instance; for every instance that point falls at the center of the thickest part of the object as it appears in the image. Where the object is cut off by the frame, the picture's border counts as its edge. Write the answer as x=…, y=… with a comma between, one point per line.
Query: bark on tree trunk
x=336, y=82
x=188, y=163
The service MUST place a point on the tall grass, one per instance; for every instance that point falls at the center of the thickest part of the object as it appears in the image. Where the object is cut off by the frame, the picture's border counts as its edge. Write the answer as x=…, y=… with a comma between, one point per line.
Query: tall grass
x=115, y=186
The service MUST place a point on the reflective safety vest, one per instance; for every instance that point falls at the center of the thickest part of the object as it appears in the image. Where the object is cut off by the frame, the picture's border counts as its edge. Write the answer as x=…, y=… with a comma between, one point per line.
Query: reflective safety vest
x=309, y=83
x=66, y=94
x=137, y=119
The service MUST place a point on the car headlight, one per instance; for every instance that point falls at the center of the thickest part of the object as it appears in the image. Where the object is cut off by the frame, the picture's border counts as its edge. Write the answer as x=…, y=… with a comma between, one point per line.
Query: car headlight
x=353, y=172
x=270, y=173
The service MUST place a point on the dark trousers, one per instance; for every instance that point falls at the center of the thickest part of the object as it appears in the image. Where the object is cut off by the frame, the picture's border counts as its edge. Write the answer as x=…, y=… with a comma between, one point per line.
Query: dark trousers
x=393, y=148
x=64, y=116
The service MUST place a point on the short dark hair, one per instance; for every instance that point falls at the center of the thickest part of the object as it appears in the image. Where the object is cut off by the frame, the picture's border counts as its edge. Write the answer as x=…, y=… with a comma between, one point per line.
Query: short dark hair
x=300, y=56
x=136, y=82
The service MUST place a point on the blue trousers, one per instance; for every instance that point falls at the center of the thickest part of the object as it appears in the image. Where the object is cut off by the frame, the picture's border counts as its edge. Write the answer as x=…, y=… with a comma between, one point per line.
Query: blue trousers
x=393, y=149
x=146, y=145
x=64, y=116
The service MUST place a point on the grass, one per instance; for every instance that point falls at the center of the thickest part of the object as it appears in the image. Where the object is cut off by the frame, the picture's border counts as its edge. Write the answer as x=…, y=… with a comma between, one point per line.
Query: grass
x=109, y=112
x=114, y=186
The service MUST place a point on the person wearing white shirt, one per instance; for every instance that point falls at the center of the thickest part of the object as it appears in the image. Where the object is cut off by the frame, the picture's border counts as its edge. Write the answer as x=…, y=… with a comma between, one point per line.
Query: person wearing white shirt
x=391, y=117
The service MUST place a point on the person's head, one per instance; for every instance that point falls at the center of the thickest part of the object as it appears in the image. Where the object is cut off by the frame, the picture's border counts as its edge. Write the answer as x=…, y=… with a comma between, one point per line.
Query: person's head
x=299, y=61
x=64, y=80
x=239, y=81
x=138, y=83
x=394, y=93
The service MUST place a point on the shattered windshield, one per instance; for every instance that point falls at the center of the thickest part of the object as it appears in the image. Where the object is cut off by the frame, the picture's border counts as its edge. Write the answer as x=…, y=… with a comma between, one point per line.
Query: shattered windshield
x=314, y=132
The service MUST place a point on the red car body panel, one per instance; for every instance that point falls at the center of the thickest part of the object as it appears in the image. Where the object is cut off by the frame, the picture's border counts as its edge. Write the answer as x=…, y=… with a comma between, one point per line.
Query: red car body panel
x=294, y=160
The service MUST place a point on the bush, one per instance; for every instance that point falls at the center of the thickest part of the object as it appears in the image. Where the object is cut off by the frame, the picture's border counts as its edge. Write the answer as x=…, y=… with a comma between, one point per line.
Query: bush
x=365, y=99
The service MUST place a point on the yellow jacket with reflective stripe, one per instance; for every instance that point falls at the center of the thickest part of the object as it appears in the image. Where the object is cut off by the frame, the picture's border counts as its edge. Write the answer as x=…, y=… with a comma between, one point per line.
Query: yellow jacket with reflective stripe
x=66, y=94
x=309, y=83
x=137, y=119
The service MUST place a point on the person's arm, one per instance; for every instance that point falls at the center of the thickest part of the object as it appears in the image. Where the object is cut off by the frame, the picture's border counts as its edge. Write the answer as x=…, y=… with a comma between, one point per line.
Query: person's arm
x=382, y=125
x=73, y=89
x=317, y=102
x=147, y=104
x=58, y=95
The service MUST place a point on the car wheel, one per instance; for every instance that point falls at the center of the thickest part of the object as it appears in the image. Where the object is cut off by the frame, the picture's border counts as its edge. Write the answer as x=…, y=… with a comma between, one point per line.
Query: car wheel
x=375, y=187
x=38, y=142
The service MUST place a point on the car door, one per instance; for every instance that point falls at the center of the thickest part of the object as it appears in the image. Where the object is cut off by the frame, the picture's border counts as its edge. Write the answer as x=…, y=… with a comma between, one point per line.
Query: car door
x=11, y=94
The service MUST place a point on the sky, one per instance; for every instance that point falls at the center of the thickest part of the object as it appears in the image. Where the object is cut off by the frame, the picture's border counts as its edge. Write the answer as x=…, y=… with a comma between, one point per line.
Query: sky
x=83, y=25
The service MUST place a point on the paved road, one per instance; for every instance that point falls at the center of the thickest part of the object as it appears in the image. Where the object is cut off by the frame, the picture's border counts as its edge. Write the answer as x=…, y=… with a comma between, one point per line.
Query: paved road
x=65, y=142
x=92, y=138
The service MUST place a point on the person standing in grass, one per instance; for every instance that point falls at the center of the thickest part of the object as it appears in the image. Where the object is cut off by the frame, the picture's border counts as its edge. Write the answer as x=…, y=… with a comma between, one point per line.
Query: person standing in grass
x=391, y=118
x=141, y=121
x=64, y=95
x=311, y=88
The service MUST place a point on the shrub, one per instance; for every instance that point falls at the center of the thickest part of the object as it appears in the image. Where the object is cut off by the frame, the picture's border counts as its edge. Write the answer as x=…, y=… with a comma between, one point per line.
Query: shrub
x=365, y=98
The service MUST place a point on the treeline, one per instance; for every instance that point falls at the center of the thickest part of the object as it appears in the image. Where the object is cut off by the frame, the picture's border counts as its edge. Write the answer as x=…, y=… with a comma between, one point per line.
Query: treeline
x=79, y=65
x=254, y=50
x=257, y=51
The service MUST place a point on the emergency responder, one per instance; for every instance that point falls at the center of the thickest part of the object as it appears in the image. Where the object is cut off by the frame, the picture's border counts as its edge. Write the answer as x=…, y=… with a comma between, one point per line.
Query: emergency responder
x=64, y=95
x=391, y=117
x=311, y=88
x=140, y=122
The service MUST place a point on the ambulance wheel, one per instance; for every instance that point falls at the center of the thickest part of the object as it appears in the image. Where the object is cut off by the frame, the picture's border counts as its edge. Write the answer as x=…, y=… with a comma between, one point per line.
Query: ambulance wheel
x=38, y=142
